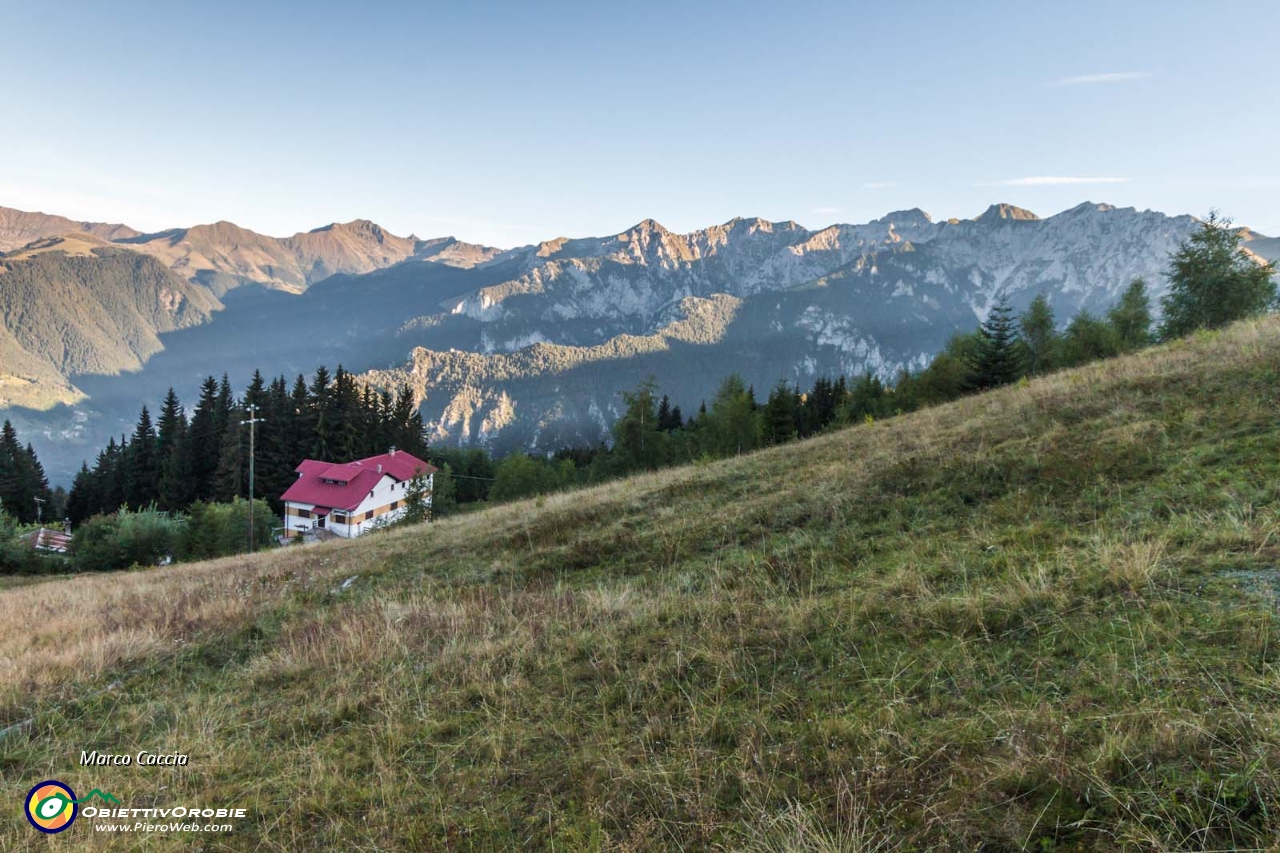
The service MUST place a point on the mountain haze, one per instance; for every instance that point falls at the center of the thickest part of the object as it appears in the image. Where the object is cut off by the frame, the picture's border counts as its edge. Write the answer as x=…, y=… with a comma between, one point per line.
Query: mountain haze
x=223, y=256
x=528, y=347
x=537, y=360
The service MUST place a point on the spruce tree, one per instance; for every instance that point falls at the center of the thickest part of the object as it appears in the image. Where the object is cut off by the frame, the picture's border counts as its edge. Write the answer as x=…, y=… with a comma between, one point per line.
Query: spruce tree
x=344, y=417
x=666, y=421
x=80, y=502
x=232, y=476
x=407, y=429
x=778, y=420
x=11, y=495
x=46, y=510
x=24, y=489
x=1212, y=282
x=174, y=492
x=142, y=474
x=321, y=416
x=274, y=465
x=998, y=362
x=204, y=442
x=297, y=435
x=112, y=487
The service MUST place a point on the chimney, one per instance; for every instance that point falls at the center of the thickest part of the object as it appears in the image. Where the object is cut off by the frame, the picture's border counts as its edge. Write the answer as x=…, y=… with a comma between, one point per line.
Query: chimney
x=379, y=467
x=66, y=526
x=392, y=451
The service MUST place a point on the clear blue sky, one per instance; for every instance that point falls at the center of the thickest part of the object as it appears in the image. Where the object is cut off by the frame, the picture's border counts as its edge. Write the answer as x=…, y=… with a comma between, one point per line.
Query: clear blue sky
x=507, y=123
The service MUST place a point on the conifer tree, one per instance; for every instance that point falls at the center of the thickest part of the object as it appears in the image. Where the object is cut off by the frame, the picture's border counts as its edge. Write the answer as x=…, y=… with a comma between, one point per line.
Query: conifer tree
x=998, y=362
x=321, y=420
x=232, y=477
x=778, y=420
x=275, y=462
x=12, y=492
x=142, y=473
x=24, y=490
x=344, y=417
x=225, y=403
x=172, y=451
x=297, y=435
x=81, y=501
x=1212, y=282
x=668, y=418
x=39, y=482
x=204, y=442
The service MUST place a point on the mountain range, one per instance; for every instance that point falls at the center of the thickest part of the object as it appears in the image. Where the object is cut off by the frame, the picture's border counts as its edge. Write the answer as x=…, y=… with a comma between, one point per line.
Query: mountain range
x=527, y=347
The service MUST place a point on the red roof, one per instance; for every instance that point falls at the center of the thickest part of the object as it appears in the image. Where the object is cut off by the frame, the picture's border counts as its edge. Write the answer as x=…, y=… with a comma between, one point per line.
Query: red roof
x=45, y=539
x=344, y=485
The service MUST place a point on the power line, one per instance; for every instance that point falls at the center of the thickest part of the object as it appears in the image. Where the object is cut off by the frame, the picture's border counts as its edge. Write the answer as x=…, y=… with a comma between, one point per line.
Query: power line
x=253, y=420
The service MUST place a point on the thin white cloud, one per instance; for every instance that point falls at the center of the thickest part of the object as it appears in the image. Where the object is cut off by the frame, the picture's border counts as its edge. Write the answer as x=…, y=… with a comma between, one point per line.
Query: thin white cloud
x=1054, y=181
x=880, y=185
x=826, y=210
x=1107, y=77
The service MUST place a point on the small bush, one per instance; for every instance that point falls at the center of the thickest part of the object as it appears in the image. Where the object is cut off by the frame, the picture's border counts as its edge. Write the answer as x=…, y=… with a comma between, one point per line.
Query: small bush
x=123, y=539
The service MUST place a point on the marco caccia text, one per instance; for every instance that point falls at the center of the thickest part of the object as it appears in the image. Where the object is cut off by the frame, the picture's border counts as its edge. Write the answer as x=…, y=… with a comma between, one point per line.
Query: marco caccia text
x=142, y=759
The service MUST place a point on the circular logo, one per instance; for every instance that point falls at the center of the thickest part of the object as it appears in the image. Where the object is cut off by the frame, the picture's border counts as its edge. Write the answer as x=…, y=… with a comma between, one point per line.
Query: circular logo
x=51, y=806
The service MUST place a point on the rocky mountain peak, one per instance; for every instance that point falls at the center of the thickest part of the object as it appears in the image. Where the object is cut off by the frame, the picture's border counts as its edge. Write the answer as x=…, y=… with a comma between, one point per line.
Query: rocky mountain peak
x=1086, y=208
x=912, y=218
x=998, y=212
x=643, y=228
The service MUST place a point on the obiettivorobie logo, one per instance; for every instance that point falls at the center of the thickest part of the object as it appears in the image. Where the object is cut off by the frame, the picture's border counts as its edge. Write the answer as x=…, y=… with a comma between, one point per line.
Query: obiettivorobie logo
x=52, y=806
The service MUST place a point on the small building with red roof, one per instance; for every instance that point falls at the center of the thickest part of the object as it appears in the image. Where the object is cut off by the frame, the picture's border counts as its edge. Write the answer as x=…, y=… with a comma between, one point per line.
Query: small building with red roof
x=50, y=541
x=351, y=498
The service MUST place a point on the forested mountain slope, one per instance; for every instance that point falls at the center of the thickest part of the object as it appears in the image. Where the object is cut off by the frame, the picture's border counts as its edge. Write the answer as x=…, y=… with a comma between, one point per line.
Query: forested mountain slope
x=78, y=304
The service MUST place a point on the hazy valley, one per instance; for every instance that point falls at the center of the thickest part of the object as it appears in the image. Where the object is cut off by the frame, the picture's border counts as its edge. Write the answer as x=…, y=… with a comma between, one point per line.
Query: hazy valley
x=527, y=347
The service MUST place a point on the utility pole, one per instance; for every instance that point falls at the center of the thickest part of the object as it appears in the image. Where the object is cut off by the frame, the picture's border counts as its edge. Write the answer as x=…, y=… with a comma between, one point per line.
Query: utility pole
x=253, y=420
x=39, y=510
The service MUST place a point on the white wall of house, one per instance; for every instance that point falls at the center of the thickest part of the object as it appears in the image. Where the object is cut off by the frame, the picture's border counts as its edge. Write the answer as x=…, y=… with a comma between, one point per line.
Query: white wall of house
x=381, y=506
x=294, y=523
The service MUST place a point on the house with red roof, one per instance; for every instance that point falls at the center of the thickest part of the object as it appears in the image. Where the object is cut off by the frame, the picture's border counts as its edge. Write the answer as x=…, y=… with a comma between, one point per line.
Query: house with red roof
x=50, y=541
x=351, y=498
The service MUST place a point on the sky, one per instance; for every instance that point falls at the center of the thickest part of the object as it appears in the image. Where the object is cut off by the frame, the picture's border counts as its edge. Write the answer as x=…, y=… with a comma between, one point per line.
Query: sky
x=509, y=123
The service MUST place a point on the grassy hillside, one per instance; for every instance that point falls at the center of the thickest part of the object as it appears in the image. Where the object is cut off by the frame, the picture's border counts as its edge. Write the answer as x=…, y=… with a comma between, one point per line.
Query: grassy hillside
x=1040, y=618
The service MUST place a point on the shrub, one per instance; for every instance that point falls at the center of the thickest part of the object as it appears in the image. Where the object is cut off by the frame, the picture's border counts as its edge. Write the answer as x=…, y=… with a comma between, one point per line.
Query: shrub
x=124, y=539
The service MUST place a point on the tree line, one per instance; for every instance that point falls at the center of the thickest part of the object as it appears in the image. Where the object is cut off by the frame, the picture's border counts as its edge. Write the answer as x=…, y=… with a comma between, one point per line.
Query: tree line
x=176, y=461
x=24, y=489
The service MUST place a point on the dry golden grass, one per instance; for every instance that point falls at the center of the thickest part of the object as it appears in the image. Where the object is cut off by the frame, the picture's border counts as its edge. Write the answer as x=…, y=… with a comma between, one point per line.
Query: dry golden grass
x=1009, y=622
